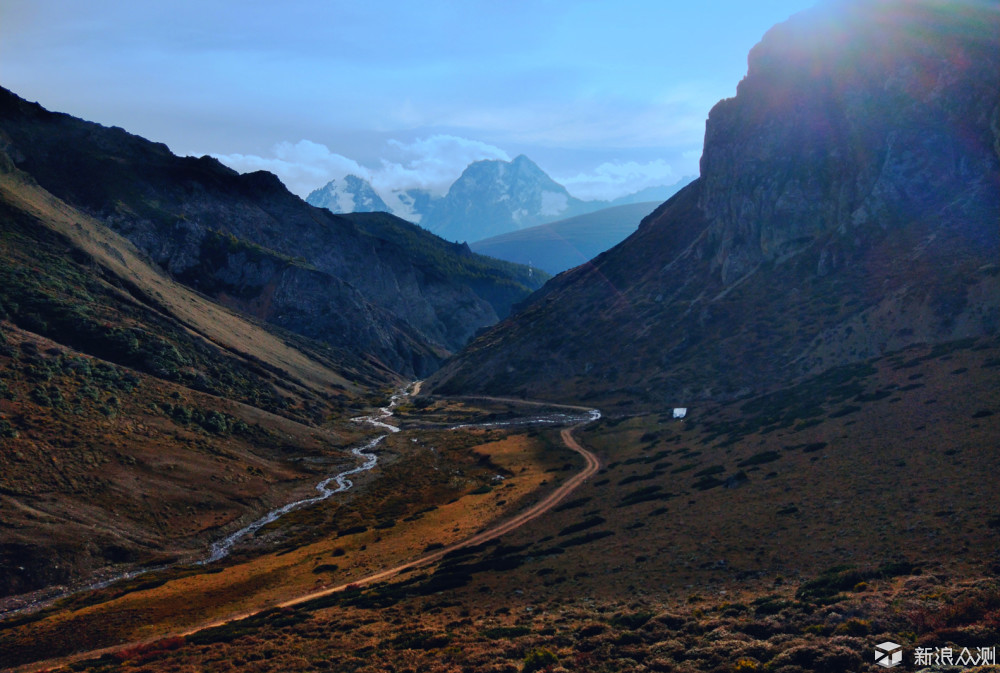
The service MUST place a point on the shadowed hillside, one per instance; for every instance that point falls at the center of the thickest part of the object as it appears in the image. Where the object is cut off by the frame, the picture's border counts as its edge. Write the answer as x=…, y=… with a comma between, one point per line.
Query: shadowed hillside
x=248, y=242
x=848, y=206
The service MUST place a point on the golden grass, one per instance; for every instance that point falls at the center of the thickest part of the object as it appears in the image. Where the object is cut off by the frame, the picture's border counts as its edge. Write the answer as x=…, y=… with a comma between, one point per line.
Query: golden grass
x=271, y=578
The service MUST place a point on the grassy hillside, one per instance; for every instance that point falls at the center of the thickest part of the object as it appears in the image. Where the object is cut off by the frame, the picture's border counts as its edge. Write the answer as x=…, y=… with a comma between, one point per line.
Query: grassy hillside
x=499, y=282
x=139, y=420
x=787, y=532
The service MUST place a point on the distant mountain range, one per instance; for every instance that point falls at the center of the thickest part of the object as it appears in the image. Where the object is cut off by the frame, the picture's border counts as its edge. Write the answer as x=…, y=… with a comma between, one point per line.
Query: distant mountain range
x=490, y=198
x=557, y=246
x=847, y=207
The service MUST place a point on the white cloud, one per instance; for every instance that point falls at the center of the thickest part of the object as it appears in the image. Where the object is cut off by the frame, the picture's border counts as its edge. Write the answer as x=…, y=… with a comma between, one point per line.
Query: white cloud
x=431, y=163
x=613, y=179
x=303, y=166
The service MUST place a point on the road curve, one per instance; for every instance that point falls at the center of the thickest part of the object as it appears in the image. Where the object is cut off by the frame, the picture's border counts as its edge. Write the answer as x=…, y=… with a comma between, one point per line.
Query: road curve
x=591, y=466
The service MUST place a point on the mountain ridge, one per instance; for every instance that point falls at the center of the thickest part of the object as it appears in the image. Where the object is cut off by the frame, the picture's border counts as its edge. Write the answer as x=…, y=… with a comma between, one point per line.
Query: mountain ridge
x=843, y=211
x=246, y=240
x=557, y=246
x=491, y=197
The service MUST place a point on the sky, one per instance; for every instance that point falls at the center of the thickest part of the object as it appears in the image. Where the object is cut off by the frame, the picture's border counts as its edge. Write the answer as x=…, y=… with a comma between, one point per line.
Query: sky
x=606, y=97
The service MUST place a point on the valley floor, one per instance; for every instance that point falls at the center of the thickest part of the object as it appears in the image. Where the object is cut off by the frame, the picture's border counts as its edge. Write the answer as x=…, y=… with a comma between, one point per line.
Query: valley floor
x=791, y=532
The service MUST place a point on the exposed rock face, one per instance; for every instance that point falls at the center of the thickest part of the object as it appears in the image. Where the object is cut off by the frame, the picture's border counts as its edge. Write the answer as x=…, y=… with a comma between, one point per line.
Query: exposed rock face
x=848, y=205
x=493, y=197
x=848, y=121
x=247, y=241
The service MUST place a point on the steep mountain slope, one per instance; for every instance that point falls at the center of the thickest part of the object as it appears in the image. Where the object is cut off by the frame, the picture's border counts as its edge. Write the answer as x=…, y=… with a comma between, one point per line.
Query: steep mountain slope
x=349, y=195
x=561, y=245
x=245, y=240
x=848, y=206
x=139, y=420
x=498, y=282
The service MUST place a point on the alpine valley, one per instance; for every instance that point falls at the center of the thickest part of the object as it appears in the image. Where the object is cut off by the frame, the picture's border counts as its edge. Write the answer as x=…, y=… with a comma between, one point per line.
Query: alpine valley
x=758, y=434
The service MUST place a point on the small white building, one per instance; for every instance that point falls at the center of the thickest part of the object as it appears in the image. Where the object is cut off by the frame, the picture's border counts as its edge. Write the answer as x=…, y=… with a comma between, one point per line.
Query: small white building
x=680, y=412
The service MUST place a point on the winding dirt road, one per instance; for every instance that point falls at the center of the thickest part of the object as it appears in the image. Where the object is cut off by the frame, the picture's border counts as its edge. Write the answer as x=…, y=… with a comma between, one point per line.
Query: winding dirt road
x=592, y=465
x=536, y=510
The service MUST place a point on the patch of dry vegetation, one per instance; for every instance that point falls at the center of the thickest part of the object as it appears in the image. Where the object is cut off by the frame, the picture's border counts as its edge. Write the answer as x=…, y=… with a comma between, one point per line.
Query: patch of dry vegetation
x=786, y=533
x=429, y=492
x=782, y=631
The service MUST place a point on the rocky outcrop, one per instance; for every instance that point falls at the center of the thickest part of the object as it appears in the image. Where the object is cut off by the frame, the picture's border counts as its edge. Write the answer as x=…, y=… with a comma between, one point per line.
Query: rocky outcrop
x=848, y=205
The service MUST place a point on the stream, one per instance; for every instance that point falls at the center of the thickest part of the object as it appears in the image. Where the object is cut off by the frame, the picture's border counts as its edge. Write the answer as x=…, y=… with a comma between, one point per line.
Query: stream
x=222, y=548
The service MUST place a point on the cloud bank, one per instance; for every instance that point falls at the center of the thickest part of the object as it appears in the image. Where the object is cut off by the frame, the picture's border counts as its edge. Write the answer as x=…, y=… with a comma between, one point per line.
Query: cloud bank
x=433, y=164
x=303, y=166
x=612, y=179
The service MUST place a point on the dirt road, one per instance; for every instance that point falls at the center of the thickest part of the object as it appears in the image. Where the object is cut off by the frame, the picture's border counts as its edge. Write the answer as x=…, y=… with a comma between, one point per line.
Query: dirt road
x=536, y=510
x=591, y=466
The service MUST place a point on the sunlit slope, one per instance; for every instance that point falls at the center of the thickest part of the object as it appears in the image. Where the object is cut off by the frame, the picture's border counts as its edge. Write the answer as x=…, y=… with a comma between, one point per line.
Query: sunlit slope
x=139, y=420
x=249, y=243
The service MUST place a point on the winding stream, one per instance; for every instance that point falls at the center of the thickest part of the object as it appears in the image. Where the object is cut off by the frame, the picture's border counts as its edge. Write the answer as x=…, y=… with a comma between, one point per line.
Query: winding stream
x=222, y=548
x=547, y=419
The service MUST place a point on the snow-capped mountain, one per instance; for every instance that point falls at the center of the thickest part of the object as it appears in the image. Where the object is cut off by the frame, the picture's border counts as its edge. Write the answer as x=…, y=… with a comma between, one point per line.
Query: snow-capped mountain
x=490, y=198
x=493, y=197
x=411, y=204
x=350, y=194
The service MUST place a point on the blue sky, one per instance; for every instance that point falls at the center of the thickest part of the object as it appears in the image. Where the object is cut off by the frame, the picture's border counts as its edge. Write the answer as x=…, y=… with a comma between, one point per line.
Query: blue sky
x=607, y=97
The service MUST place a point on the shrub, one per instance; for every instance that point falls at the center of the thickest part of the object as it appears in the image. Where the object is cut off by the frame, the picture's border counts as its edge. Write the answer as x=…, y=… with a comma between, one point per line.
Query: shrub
x=538, y=660
x=505, y=632
x=7, y=430
x=582, y=525
x=631, y=621
x=759, y=459
x=854, y=627
x=419, y=640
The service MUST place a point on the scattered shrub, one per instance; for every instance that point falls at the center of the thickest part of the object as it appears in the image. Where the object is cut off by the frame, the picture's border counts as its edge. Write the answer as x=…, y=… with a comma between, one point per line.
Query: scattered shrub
x=538, y=660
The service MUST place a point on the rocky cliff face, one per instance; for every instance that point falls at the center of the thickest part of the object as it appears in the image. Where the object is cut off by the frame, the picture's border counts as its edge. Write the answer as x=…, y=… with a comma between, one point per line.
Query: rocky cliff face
x=849, y=120
x=247, y=241
x=848, y=205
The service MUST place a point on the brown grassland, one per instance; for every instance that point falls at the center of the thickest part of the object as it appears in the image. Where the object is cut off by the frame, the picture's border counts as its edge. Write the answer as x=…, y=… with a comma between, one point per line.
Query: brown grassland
x=789, y=532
